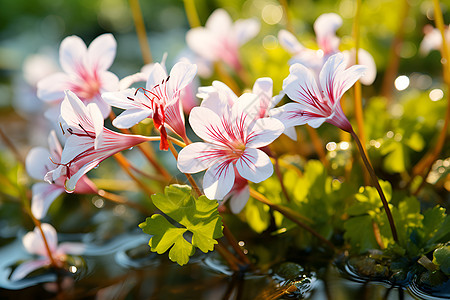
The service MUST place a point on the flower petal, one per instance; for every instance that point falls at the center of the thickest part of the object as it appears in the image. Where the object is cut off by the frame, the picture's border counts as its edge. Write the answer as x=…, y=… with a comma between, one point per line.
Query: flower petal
x=131, y=117
x=239, y=199
x=71, y=248
x=52, y=87
x=365, y=59
x=196, y=157
x=27, y=267
x=97, y=120
x=38, y=163
x=156, y=76
x=54, y=146
x=206, y=124
x=34, y=244
x=325, y=28
x=301, y=87
x=245, y=30
x=336, y=80
x=264, y=132
x=101, y=52
x=70, y=184
x=121, y=99
x=74, y=146
x=254, y=165
x=203, y=42
x=43, y=196
x=74, y=112
x=109, y=82
x=218, y=180
x=219, y=22
x=72, y=54
x=293, y=114
x=289, y=42
x=181, y=75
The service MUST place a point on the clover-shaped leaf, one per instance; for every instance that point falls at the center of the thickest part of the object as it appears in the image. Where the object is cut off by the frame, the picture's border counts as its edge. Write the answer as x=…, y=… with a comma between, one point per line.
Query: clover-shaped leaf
x=189, y=222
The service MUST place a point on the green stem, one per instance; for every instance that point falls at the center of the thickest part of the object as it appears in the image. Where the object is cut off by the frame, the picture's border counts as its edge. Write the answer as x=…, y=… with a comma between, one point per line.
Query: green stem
x=375, y=182
x=191, y=13
x=140, y=31
x=288, y=213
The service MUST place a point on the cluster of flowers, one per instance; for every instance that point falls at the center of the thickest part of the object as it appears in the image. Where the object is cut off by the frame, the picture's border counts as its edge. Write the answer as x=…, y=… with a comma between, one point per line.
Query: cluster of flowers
x=236, y=130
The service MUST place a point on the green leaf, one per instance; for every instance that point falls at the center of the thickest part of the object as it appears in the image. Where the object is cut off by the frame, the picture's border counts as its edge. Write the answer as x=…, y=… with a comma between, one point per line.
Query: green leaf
x=359, y=231
x=193, y=223
x=441, y=257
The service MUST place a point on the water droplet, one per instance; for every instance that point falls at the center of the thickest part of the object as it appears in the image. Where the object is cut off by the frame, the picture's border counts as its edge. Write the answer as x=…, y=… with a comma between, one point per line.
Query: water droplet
x=131, y=148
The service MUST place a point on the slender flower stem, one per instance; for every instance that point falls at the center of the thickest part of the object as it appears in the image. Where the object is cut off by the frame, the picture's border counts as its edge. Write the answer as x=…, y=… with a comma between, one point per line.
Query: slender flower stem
x=287, y=16
x=290, y=215
x=122, y=200
x=11, y=147
x=376, y=184
x=232, y=240
x=37, y=223
x=357, y=95
x=318, y=145
x=424, y=165
x=140, y=31
x=191, y=13
x=188, y=176
x=125, y=165
x=228, y=256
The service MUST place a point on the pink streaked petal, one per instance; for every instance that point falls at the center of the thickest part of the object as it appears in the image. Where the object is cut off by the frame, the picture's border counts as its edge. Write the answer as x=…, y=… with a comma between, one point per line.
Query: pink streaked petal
x=52, y=87
x=249, y=105
x=74, y=112
x=74, y=146
x=245, y=30
x=101, y=52
x=71, y=183
x=156, y=76
x=325, y=27
x=181, y=75
x=316, y=122
x=301, y=87
x=27, y=267
x=239, y=199
x=43, y=196
x=131, y=117
x=54, y=146
x=71, y=248
x=293, y=114
x=207, y=124
x=175, y=118
x=121, y=99
x=97, y=120
x=289, y=42
x=197, y=157
x=72, y=54
x=336, y=80
x=218, y=180
x=254, y=165
x=38, y=163
x=264, y=132
x=85, y=186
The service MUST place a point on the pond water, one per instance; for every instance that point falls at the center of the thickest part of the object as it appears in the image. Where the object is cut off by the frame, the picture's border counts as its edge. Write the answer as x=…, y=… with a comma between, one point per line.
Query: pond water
x=124, y=268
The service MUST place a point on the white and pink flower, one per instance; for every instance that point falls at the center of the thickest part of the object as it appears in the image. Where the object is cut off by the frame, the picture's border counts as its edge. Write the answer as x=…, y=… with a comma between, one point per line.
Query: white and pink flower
x=433, y=39
x=231, y=146
x=88, y=142
x=220, y=39
x=39, y=161
x=325, y=28
x=318, y=102
x=34, y=244
x=85, y=72
x=159, y=100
